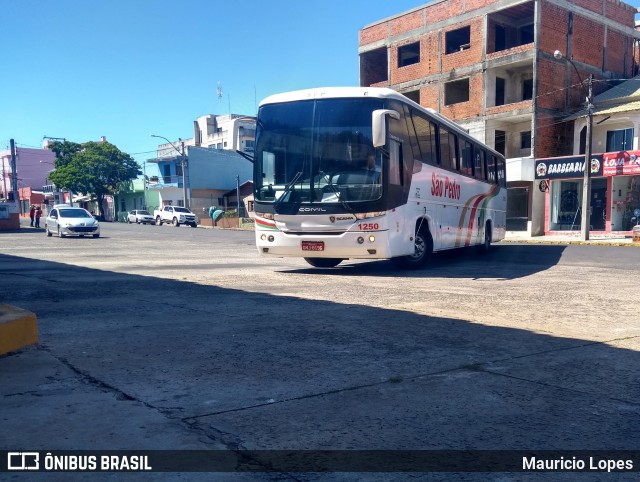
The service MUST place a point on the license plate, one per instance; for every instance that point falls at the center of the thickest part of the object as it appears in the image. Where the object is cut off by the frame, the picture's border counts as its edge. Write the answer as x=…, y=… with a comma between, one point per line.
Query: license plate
x=313, y=246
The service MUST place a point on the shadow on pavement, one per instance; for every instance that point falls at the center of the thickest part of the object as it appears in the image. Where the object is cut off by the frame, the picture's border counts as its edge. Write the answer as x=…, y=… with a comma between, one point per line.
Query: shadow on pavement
x=226, y=368
x=506, y=261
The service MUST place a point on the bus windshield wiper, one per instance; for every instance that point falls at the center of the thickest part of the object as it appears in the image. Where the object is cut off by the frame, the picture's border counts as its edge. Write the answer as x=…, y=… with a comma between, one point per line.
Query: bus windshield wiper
x=335, y=191
x=287, y=188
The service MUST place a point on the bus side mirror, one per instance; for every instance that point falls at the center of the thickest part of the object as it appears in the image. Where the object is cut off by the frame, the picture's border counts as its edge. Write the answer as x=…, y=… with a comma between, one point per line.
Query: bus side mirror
x=379, y=125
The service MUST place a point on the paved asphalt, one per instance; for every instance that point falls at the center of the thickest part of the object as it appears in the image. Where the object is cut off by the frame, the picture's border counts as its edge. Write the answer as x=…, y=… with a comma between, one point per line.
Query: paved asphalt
x=164, y=338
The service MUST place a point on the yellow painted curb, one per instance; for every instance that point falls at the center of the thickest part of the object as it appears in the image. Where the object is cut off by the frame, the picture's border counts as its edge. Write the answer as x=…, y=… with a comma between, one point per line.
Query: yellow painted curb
x=18, y=329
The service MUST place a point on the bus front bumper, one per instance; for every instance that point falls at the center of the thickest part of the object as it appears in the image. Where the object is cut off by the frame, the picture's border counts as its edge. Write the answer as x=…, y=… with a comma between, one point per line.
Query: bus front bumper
x=347, y=245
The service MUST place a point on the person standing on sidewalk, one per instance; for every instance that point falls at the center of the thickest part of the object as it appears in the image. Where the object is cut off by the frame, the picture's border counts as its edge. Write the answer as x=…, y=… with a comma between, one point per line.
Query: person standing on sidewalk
x=38, y=213
x=32, y=213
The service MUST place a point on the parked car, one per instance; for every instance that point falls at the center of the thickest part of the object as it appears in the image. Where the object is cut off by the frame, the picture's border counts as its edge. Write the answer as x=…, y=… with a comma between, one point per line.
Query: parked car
x=65, y=220
x=175, y=215
x=140, y=216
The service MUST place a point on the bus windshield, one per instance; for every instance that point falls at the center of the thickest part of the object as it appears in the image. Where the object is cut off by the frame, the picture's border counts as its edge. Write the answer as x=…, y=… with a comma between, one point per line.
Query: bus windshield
x=317, y=151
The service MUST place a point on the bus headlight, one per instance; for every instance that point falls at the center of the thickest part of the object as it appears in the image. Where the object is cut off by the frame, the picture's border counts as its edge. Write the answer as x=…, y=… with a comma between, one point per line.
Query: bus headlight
x=360, y=240
x=372, y=238
x=370, y=215
x=263, y=237
x=265, y=216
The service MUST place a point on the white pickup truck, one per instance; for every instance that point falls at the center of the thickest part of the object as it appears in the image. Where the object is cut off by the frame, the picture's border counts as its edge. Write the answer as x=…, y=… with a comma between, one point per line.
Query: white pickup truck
x=175, y=215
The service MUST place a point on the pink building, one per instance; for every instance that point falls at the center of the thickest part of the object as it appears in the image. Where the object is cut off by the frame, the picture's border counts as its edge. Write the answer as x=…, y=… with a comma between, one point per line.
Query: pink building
x=32, y=168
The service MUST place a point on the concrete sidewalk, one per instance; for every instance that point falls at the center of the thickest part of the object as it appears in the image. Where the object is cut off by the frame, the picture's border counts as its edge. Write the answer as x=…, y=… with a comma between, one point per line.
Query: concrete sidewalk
x=594, y=239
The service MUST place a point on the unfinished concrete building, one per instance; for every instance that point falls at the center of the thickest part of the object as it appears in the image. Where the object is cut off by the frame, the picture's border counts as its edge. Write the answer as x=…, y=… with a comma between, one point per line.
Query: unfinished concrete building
x=490, y=66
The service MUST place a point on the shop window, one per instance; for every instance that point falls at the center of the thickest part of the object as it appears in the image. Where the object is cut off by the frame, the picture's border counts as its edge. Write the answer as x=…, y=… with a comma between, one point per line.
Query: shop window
x=409, y=54
x=456, y=92
x=517, y=208
x=566, y=198
x=457, y=40
x=620, y=140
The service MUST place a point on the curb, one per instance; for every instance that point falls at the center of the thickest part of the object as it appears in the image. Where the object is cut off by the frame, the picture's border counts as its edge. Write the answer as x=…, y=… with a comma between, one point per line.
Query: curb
x=565, y=242
x=18, y=329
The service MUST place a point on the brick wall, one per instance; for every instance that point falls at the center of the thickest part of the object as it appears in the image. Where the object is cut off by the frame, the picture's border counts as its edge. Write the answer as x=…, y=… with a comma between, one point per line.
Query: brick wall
x=553, y=22
x=615, y=53
x=473, y=107
x=587, y=41
x=469, y=56
x=407, y=23
x=620, y=12
x=374, y=33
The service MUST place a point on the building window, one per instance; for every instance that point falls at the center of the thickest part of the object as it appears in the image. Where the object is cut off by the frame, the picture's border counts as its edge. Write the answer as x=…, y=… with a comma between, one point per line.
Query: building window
x=457, y=40
x=500, y=91
x=456, y=92
x=620, y=140
x=527, y=89
x=526, y=34
x=500, y=141
x=414, y=95
x=409, y=54
x=374, y=67
x=525, y=140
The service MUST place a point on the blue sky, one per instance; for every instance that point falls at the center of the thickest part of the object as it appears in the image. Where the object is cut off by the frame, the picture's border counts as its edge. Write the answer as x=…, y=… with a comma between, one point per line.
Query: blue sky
x=126, y=69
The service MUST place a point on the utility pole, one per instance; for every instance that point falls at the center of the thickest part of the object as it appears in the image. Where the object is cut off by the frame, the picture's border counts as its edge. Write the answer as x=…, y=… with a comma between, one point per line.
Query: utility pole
x=183, y=163
x=184, y=177
x=586, y=183
x=238, y=194
x=14, y=175
x=585, y=218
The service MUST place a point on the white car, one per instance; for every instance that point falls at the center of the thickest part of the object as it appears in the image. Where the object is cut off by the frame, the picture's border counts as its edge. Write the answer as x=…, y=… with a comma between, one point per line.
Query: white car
x=71, y=221
x=140, y=216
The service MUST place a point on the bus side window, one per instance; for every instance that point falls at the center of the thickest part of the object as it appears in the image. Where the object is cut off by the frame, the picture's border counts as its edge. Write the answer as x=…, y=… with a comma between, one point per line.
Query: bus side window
x=478, y=163
x=502, y=173
x=448, y=150
x=426, y=133
x=491, y=168
x=395, y=163
x=466, y=159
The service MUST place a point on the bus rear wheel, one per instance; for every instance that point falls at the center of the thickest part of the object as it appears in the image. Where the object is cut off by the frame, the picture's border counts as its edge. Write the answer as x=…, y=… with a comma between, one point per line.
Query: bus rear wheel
x=323, y=262
x=485, y=247
x=422, y=253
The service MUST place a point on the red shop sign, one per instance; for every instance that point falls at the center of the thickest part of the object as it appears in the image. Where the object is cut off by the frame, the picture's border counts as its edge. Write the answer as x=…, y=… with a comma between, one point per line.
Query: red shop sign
x=624, y=163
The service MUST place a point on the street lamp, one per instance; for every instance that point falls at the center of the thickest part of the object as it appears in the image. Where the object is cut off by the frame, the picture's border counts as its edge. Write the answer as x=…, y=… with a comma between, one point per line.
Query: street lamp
x=586, y=184
x=184, y=167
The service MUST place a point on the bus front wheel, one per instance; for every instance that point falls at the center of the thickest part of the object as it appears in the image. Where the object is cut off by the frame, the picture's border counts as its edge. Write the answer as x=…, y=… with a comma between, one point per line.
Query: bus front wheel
x=422, y=252
x=323, y=262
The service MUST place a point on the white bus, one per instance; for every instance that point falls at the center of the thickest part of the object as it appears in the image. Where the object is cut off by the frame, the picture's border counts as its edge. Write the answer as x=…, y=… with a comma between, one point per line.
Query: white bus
x=366, y=173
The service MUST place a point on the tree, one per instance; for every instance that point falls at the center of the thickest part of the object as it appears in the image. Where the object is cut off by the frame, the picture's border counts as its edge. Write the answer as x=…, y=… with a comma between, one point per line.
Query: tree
x=92, y=168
